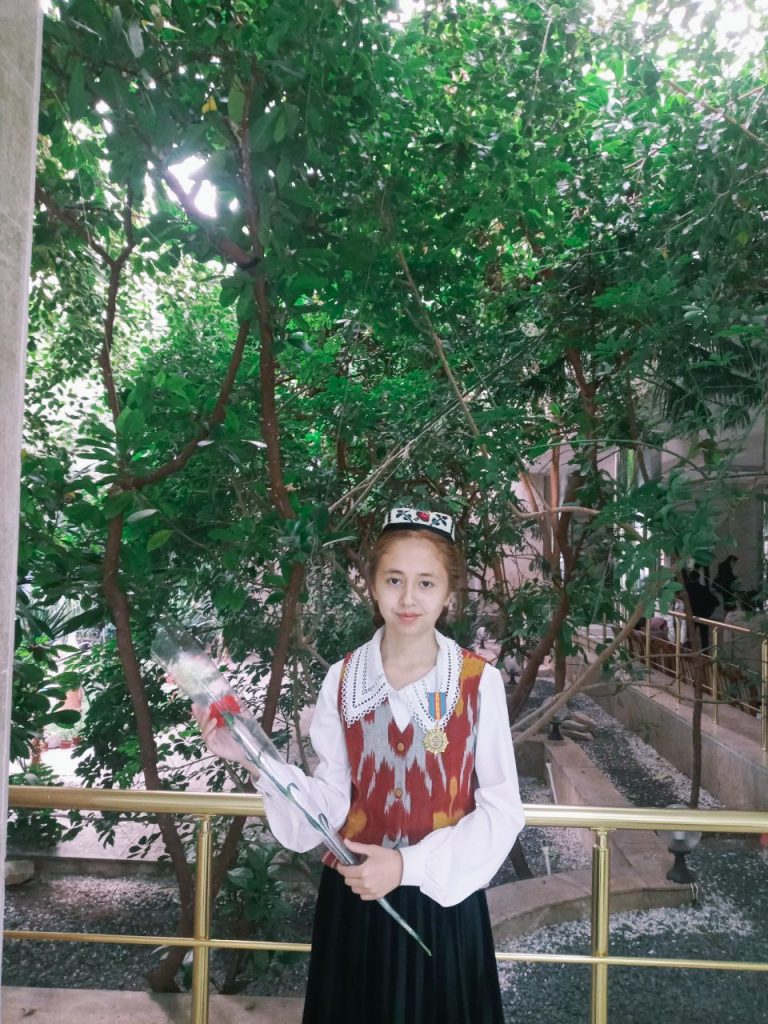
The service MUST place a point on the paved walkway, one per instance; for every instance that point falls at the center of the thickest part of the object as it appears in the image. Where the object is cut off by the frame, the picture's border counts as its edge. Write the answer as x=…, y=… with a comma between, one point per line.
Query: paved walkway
x=73, y=1006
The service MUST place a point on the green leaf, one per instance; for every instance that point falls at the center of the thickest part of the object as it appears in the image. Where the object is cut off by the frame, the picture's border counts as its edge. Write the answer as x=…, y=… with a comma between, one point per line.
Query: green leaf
x=262, y=131
x=236, y=103
x=67, y=717
x=246, y=305
x=283, y=173
x=241, y=877
x=184, y=18
x=135, y=39
x=116, y=23
x=291, y=116
x=158, y=539
x=228, y=295
x=143, y=513
x=117, y=503
x=78, y=100
x=301, y=195
x=130, y=422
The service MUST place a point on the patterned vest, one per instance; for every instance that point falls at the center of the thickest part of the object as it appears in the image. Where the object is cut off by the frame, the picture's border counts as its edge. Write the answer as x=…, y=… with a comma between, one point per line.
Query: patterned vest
x=400, y=791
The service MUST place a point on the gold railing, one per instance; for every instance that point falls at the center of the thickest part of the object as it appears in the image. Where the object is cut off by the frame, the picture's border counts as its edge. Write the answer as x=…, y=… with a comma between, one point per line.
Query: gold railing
x=672, y=658
x=600, y=820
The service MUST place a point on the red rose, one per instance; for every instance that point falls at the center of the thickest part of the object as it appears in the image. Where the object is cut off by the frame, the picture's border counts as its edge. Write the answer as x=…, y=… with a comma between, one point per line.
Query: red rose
x=228, y=703
x=424, y=516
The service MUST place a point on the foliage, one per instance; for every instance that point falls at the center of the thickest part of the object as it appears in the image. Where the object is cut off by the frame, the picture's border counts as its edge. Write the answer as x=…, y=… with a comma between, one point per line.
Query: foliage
x=34, y=830
x=39, y=684
x=254, y=905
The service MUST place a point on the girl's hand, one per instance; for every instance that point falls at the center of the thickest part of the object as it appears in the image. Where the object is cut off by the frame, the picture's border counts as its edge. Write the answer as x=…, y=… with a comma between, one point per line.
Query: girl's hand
x=219, y=740
x=379, y=873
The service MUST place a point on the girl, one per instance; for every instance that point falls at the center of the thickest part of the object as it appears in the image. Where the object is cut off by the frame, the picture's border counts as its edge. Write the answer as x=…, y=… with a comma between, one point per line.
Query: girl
x=417, y=770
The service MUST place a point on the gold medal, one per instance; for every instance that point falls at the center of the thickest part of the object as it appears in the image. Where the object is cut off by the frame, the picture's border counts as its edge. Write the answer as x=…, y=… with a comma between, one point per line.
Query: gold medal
x=435, y=739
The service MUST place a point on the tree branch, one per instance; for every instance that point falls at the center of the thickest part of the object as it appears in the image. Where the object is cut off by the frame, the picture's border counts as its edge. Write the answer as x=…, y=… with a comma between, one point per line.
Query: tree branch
x=72, y=221
x=217, y=416
x=251, y=206
x=438, y=343
x=461, y=398
x=118, y=605
x=717, y=112
x=229, y=250
x=584, y=679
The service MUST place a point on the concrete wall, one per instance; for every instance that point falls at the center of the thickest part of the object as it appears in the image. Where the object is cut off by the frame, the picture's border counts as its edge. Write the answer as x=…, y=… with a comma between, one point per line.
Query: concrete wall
x=580, y=783
x=734, y=768
x=20, y=38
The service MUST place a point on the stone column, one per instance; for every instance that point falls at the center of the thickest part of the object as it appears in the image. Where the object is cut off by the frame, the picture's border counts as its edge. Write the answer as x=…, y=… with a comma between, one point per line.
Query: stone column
x=20, y=44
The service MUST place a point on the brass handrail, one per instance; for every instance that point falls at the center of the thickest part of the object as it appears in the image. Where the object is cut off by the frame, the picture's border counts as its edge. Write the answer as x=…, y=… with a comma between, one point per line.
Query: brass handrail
x=714, y=659
x=601, y=821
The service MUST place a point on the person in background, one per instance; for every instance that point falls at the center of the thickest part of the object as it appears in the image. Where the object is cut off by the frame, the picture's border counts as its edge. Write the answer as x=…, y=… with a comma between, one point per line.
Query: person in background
x=703, y=603
x=726, y=583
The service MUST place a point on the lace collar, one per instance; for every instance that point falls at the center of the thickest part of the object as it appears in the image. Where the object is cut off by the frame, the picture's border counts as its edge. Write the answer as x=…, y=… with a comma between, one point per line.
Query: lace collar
x=364, y=684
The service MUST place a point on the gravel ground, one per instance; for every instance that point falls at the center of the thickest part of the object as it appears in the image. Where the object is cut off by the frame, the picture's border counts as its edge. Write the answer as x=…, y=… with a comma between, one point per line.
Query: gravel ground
x=730, y=922
x=564, y=846
x=72, y=903
x=644, y=777
x=121, y=906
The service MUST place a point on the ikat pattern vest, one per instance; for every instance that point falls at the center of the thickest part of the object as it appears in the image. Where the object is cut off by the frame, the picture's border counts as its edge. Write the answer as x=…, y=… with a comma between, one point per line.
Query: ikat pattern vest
x=400, y=791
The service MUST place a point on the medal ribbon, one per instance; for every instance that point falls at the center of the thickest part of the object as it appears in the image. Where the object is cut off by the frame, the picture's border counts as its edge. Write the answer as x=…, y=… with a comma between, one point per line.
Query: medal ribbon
x=436, y=705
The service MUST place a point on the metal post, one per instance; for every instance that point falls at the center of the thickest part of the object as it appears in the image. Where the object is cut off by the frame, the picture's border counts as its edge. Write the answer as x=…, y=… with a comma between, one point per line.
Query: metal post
x=201, y=954
x=715, y=673
x=648, y=647
x=764, y=694
x=601, y=876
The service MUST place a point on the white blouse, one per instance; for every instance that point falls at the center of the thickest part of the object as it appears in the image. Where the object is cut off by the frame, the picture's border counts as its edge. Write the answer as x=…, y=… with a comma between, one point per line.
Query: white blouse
x=452, y=862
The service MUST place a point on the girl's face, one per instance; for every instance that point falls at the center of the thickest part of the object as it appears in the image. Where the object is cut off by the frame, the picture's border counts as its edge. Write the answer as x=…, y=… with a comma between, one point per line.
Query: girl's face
x=411, y=586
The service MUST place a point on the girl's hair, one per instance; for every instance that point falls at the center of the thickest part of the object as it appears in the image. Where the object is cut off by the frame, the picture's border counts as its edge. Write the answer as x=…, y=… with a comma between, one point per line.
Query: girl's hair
x=448, y=553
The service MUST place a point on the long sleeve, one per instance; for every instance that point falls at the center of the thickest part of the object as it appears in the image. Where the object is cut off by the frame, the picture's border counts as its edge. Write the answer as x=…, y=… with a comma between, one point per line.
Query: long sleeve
x=451, y=863
x=329, y=787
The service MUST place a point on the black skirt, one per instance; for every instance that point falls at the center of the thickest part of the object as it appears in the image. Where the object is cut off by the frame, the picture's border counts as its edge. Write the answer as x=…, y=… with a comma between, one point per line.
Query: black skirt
x=366, y=969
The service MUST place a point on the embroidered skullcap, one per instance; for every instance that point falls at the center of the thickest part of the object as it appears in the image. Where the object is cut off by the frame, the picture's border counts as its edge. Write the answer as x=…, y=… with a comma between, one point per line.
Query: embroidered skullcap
x=417, y=519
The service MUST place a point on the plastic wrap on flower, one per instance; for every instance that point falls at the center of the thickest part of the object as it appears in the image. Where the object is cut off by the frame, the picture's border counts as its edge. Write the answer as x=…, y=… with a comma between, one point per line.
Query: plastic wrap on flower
x=197, y=676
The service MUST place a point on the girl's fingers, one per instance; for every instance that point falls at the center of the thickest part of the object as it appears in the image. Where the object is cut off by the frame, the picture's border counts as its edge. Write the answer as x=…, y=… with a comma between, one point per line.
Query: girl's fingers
x=365, y=848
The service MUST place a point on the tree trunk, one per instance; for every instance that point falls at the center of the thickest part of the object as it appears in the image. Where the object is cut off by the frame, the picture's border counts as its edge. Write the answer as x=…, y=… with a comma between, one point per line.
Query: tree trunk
x=698, y=694
x=160, y=978
x=533, y=663
x=519, y=862
x=287, y=624
x=560, y=665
